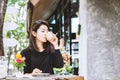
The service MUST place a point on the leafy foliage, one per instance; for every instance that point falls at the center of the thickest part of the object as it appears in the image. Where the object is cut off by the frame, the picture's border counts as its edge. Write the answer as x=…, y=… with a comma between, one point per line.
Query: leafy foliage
x=18, y=62
x=67, y=69
x=12, y=2
x=79, y=29
x=20, y=32
x=18, y=17
x=18, y=65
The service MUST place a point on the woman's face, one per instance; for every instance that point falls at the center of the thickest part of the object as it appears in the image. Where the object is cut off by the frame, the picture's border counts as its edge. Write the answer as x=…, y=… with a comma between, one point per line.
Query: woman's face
x=41, y=33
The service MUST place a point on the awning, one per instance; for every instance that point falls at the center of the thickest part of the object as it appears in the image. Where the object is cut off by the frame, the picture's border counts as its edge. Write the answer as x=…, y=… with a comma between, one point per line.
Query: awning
x=40, y=9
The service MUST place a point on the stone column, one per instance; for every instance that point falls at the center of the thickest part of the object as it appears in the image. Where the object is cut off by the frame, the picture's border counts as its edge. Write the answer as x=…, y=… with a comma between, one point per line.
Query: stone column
x=100, y=21
x=83, y=39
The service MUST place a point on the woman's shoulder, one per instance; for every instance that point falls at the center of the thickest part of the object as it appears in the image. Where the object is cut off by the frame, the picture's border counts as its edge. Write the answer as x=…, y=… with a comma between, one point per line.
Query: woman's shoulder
x=26, y=51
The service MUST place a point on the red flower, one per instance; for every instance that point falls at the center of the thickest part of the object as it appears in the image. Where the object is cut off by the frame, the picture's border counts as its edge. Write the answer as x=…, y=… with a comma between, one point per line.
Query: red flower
x=19, y=60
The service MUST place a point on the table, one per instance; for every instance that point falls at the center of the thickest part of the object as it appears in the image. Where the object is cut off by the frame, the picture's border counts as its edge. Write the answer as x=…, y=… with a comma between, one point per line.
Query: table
x=50, y=77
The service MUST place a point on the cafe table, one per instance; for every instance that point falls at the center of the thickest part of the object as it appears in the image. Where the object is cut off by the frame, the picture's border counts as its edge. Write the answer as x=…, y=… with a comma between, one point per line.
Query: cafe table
x=46, y=77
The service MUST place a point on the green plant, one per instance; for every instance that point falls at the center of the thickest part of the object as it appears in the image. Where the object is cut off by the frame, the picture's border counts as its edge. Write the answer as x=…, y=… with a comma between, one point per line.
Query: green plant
x=79, y=29
x=19, y=33
x=18, y=62
x=67, y=69
x=19, y=18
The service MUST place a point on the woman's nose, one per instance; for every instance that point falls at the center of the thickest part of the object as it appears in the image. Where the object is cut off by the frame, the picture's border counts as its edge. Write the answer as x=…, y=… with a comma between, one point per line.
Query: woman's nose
x=46, y=33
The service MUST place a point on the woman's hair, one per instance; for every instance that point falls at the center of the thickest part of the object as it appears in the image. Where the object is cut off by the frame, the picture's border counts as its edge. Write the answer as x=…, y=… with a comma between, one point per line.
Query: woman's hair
x=32, y=42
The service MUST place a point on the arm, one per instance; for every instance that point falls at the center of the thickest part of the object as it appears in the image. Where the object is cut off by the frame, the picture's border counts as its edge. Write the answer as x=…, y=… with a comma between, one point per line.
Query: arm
x=56, y=56
x=27, y=69
x=25, y=54
x=57, y=59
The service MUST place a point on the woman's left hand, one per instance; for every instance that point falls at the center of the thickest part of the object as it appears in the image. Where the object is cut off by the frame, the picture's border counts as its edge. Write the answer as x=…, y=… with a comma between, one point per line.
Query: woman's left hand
x=36, y=71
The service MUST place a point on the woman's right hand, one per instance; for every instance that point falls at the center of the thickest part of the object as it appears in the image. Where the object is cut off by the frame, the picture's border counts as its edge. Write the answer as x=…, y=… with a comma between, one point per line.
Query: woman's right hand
x=52, y=38
x=36, y=71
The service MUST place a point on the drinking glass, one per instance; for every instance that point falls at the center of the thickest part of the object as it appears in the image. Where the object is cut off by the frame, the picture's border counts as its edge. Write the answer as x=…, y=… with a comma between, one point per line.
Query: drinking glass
x=3, y=66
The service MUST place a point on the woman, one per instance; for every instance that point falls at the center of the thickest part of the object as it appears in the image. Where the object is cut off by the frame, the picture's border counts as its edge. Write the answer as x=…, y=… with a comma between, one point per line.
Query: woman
x=43, y=53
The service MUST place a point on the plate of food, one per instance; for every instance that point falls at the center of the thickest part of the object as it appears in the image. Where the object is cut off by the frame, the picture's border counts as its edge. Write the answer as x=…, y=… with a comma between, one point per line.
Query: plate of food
x=43, y=74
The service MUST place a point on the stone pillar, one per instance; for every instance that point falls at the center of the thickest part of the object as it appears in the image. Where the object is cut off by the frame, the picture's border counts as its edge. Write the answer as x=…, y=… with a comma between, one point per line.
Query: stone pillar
x=83, y=39
x=100, y=33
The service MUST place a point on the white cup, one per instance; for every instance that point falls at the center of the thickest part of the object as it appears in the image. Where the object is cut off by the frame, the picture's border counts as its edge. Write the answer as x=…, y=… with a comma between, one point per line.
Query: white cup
x=50, y=36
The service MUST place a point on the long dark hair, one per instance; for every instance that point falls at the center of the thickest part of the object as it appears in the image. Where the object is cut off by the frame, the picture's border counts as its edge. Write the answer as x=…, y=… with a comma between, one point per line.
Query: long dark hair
x=32, y=42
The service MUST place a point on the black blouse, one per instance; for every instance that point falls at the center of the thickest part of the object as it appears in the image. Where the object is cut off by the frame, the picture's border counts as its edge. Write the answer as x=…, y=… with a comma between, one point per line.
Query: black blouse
x=42, y=60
